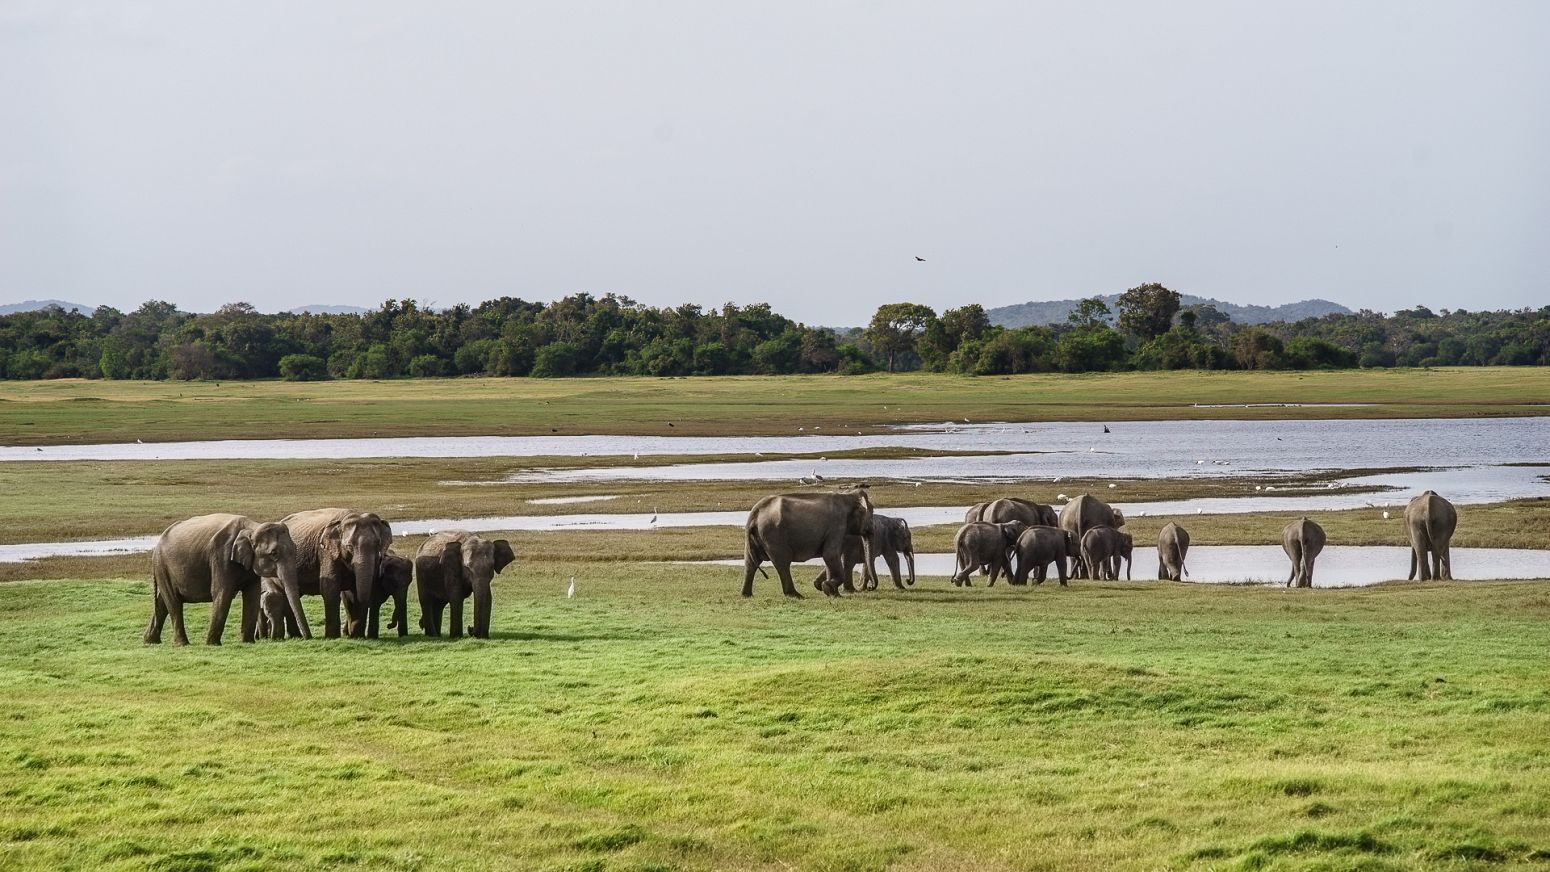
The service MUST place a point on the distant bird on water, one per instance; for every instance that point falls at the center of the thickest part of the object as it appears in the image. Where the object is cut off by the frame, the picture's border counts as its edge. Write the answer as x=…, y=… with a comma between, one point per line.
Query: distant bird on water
x=653, y=520
x=919, y=258
x=1105, y=428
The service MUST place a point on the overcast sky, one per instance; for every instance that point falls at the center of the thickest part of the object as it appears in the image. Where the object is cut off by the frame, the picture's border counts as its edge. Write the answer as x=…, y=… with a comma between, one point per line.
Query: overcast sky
x=1379, y=154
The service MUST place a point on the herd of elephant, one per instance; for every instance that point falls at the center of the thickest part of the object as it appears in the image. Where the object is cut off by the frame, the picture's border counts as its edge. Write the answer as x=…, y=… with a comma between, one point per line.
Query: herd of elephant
x=345, y=556
x=1017, y=537
x=342, y=555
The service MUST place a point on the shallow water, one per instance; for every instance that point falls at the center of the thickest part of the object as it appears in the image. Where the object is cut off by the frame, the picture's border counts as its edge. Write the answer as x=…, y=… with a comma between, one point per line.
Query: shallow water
x=1337, y=566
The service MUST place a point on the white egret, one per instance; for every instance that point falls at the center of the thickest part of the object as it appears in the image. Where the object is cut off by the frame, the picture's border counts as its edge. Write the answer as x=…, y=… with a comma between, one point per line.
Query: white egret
x=570, y=592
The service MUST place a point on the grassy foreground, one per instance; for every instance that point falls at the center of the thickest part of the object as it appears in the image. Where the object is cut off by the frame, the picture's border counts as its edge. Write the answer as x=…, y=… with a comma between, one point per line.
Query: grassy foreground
x=658, y=721
x=74, y=410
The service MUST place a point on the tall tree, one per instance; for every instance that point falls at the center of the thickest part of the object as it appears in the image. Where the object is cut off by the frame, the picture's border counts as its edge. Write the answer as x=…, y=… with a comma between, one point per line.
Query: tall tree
x=1089, y=313
x=1146, y=312
x=895, y=327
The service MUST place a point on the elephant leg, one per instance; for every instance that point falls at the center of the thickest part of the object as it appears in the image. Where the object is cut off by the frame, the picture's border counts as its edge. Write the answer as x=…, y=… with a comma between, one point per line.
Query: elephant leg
x=455, y=607
x=329, y=587
x=250, y=613
x=220, y=607
x=175, y=611
x=432, y=618
x=834, y=565
x=372, y=616
x=1060, y=569
x=783, y=571
x=1445, y=561
x=158, y=618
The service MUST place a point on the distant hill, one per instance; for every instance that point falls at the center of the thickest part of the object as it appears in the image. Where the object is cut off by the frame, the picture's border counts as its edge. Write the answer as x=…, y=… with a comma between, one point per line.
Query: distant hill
x=34, y=305
x=329, y=310
x=1055, y=311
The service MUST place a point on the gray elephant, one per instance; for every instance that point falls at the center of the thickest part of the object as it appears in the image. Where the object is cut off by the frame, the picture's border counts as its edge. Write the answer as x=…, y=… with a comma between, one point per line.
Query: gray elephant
x=339, y=550
x=1014, y=509
x=1430, y=521
x=213, y=558
x=393, y=580
x=1084, y=513
x=1102, y=550
x=1038, y=547
x=987, y=546
x=791, y=528
x=891, y=538
x=1302, y=540
x=451, y=566
x=1172, y=545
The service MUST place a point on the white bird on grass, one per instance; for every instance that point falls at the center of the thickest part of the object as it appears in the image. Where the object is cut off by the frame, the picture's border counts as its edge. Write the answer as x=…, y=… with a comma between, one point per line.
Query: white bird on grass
x=1200, y=511
x=816, y=476
x=1112, y=485
x=1061, y=497
x=570, y=592
x=1385, y=516
x=1257, y=487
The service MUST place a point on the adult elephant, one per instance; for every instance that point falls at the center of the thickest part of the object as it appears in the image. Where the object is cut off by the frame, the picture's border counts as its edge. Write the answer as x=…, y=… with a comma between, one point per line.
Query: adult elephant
x=1172, y=545
x=339, y=550
x=1102, y=550
x=891, y=539
x=1302, y=540
x=1037, y=548
x=1014, y=509
x=791, y=528
x=986, y=546
x=1430, y=521
x=451, y=566
x=1084, y=513
x=212, y=559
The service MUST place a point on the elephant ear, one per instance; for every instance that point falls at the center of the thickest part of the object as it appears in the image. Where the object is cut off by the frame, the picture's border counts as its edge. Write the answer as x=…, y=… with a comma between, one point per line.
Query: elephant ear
x=504, y=556
x=1119, y=518
x=332, y=542
x=240, y=551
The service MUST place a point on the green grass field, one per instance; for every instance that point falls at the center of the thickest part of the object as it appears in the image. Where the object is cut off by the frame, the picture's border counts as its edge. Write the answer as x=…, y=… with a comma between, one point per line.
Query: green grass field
x=658, y=721
x=85, y=411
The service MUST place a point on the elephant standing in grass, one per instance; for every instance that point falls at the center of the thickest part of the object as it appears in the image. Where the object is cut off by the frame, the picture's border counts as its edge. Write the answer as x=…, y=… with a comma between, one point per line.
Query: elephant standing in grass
x=987, y=546
x=1102, y=550
x=1082, y=514
x=393, y=580
x=890, y=539
x=1172, y=545
x=791, y=528
x=1430, y=521
x=1014, y=509
x=451, y=566
x=213, y=558
x=339, y=550
x=1302, y=540
x=1038, y=547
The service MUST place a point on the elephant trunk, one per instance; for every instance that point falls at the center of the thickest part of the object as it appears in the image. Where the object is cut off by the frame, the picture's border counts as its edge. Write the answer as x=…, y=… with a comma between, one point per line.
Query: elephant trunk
x=292, y=587
x=481, y=628
x=400, y=614
x=365, y=566
x=909, y=557
x=1127, y=567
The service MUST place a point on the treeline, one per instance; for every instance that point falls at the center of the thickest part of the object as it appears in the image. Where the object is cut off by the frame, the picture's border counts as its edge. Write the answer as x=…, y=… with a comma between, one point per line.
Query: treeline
x=611, y=335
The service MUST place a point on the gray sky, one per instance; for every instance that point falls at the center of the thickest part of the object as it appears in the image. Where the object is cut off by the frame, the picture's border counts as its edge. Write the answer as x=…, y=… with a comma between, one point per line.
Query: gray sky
x=1379, y=154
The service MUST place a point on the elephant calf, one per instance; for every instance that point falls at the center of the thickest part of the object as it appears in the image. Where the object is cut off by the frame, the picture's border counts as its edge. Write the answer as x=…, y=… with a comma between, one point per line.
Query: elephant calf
x=1102, y=550
x=987, y=546
x=451, y=566
x=1302, y=540
x=891, y=539
x=394, y=574
x=1038, y=547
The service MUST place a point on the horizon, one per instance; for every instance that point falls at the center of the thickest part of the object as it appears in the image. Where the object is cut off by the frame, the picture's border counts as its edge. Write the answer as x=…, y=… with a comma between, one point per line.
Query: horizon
x=1381, y=157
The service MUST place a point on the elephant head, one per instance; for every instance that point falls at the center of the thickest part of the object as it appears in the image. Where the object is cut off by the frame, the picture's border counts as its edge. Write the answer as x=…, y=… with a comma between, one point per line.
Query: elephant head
x=360, y=540
x=393, y=578
x=473, y=565
x=1127, y=546
x=268, y=551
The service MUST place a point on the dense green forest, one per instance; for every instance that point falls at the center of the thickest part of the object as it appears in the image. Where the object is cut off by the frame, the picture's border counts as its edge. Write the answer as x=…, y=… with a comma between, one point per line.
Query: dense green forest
x=611, y=335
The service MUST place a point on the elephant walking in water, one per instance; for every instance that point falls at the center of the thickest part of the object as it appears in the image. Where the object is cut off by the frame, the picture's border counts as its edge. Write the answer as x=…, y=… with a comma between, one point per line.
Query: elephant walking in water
x=212, y=559
x=1302, y=540
x=451, y=566
x=791, y=528
x=1429, y=522
x=1172, y=545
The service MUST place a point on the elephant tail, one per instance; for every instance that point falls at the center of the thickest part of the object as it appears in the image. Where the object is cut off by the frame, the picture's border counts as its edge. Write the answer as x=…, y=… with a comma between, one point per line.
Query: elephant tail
x=754, y=552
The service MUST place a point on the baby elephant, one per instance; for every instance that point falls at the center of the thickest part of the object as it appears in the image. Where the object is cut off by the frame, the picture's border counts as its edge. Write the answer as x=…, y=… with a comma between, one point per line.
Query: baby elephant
x=1037, y=548
x=1172, y=545
x=1302, y=540
x=1102, y=549
x=394, y=573
x=985, y=546
x=451, y=566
